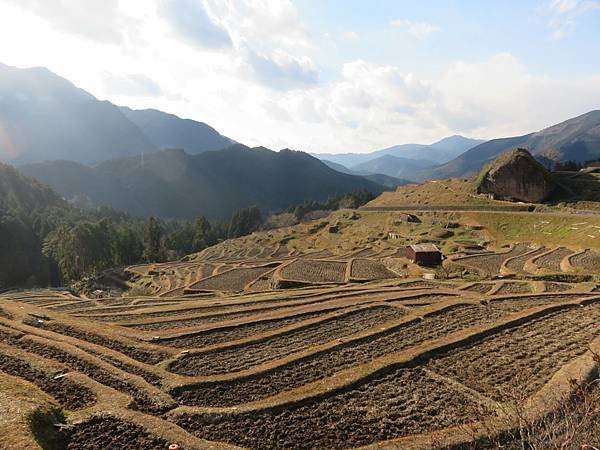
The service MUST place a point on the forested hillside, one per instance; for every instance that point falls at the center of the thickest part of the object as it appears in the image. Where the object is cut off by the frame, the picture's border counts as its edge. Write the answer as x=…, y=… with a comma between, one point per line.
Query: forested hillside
x=45, y=240
x=175, y=184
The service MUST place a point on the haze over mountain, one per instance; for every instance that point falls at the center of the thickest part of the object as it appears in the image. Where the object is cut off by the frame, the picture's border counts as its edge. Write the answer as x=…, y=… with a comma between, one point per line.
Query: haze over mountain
x=19, y=192
x=441, y=151
x=169, y=131
x=175, y=184
x=44, y=116
x=393, y=166
x=575, y=139
x=23, y=201
x=379, y=178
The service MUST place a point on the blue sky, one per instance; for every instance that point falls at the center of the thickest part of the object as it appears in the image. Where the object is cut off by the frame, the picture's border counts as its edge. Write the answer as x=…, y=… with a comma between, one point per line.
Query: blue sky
x=466, y=30
x=323, y=75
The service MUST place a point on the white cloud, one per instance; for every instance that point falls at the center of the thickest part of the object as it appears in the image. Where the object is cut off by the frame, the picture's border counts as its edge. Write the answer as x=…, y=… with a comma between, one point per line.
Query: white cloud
x=564, y=15
x=96, y=20
x=276, y=112
x=350, y=35
x=265, y=37
x=262, y=23
x=372, y=106
x=419, y=30
x=190, y=20
x=134, y=85
x=267, y=89
x=500, y=97
x=281, y=70
x=563, y=6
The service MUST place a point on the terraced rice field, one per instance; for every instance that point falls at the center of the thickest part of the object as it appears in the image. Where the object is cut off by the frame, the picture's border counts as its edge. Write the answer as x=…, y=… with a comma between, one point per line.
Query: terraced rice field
x=242, y=357
x=368, y=269
x=551, y=261
x=589, y=260
x=557, y=287
x=381, y=409
x=481, y=288
x=231, y=280
x=517, y=264
x=324, y=367
x=514, y=288
x=490, y=264
x=314, y=271
x=551, y=341
x=243, y=271
x=342, y=356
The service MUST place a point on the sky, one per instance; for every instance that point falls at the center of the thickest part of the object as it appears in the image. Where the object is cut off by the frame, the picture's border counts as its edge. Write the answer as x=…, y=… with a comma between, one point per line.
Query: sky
x=323, y=75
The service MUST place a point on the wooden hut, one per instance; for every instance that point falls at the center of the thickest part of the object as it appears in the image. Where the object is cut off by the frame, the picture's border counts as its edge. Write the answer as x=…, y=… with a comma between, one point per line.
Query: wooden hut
x=424, y=254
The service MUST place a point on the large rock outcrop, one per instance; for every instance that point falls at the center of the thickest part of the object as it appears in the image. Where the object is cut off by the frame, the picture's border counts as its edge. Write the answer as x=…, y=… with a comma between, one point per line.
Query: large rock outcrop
x=516, y=175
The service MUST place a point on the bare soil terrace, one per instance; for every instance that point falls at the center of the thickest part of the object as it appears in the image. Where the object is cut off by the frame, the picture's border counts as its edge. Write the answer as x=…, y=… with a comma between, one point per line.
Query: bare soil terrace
x=296, y=338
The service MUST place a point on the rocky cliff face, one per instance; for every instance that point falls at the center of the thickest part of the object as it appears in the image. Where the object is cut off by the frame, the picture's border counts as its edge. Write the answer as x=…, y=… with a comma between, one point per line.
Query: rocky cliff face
x=516, y=175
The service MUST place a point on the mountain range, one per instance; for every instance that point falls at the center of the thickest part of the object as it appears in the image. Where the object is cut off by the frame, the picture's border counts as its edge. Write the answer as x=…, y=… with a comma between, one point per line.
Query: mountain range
x=389, y=181
x=576, y=139
x=175, y=184
x=440, y=151
x=102, y=154
x=401, y=161
x=44, y=116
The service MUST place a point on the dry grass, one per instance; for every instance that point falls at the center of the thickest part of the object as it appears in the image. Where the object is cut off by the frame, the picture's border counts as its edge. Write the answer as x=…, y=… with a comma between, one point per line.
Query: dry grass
x=574, y=425
x=544, y=229
x=17, y=404
x=445, y=192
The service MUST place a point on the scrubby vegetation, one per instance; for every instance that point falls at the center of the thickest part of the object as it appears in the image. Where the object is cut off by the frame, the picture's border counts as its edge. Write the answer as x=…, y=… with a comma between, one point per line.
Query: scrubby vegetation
x=56, y=243
x=574, y=166
x=45, y=240
x=351, y=200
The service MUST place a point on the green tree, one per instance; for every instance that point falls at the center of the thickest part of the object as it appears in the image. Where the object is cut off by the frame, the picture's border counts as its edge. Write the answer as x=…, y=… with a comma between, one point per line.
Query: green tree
x=181, y=240
x=153, y=251
x=82, y=249
x=244, y=221
x=203, y=234
x=127, y=245
x=20, y=256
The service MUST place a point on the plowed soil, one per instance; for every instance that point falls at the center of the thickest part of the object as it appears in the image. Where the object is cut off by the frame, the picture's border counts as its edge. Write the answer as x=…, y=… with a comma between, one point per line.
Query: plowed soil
x=243, y=357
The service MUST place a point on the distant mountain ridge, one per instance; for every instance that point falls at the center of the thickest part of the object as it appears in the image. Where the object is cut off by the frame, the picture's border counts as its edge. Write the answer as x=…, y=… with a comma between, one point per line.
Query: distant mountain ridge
x=393, y=166
x=175, y=184
x=44, y=117
x=379, y=178
x=407, y=158
x=170, y=131
x=441, y=151
x=575, y=139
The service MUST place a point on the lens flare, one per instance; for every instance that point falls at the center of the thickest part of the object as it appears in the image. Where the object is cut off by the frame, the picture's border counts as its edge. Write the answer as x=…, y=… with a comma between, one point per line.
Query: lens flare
x=7, y=149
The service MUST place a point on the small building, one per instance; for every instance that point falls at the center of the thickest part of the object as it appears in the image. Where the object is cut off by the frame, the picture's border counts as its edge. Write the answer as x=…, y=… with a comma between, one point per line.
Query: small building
x=424, y=254
x=394, y=235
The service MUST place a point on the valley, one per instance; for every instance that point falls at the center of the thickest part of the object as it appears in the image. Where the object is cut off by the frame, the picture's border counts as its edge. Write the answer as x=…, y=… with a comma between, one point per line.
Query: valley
x=306, y=333
x=163, y=286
